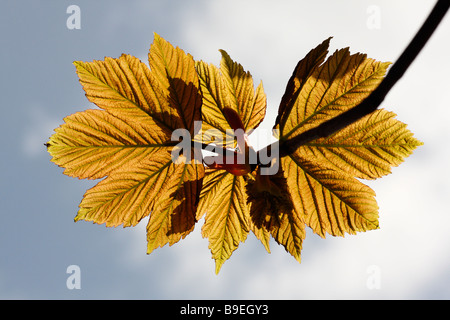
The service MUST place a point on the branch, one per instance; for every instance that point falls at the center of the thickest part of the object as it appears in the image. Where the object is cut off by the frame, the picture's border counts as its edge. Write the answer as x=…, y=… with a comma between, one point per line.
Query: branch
x=372, y=102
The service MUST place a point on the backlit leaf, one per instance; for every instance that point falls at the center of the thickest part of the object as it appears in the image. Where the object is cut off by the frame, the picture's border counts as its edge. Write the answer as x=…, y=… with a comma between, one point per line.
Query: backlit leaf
x=129, y=142
x=176, y=75
x=272, y=213
x=290, y=233
x=127, y=87
x=328, y=90
x=321, y=175
x=229, y=102
x=127, y=195
x=224, y=199
x=93, y=143
x=176, y=205
x=229, y=86
x=328, y=200
x=301, y=73
x=368, y=148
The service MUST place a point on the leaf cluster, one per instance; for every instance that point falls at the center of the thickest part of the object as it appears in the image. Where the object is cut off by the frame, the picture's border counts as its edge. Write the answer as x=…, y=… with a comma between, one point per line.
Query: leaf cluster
x=128, y=143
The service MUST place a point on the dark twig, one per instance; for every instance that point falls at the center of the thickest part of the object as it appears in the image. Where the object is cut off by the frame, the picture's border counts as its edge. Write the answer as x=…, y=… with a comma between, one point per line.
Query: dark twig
x=372, y=102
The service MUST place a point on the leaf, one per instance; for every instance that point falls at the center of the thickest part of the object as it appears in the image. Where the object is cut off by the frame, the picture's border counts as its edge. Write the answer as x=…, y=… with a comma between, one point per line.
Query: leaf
x=126, y=196
x=176, y=75
x=228, y=87
x=272, y=213
x=368, y=148
x=229, y=102
x=290, y=233
x=129, y=142
x=302, y=72
x=93, y=143
x=321, y=175
x=176, y=205
x=224, y=200
x=126, y=87
x=339, y=84
x=329, y=200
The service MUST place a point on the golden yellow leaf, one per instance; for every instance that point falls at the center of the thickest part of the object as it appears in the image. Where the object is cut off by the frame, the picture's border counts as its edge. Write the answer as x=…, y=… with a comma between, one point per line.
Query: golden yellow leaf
x=301, y=73
x=339, y=84
x=321, y=174
x=290, y=233
x=129, y=142
x=366, y=149
x=329, y=201
x=228, y=87
x=93, y=143
x=176, y=205
x=128, y=195
x=224, y=199
x=176, y=75
x=229, y=102
x=127, y=87
x=272, y=213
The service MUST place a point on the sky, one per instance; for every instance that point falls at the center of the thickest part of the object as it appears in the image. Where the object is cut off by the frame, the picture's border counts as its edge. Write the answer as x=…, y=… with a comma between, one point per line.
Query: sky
x=407, y=258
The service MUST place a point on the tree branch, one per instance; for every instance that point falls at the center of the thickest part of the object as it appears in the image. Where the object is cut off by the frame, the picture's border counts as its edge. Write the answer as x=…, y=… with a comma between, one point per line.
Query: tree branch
x=372, y=102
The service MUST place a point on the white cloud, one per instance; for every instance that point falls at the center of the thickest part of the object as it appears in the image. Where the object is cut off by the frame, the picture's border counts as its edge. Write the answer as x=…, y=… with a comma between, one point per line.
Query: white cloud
x=411, y=248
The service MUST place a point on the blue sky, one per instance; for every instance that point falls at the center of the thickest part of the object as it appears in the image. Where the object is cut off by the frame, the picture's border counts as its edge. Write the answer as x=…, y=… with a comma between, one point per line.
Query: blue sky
x=39, y=240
